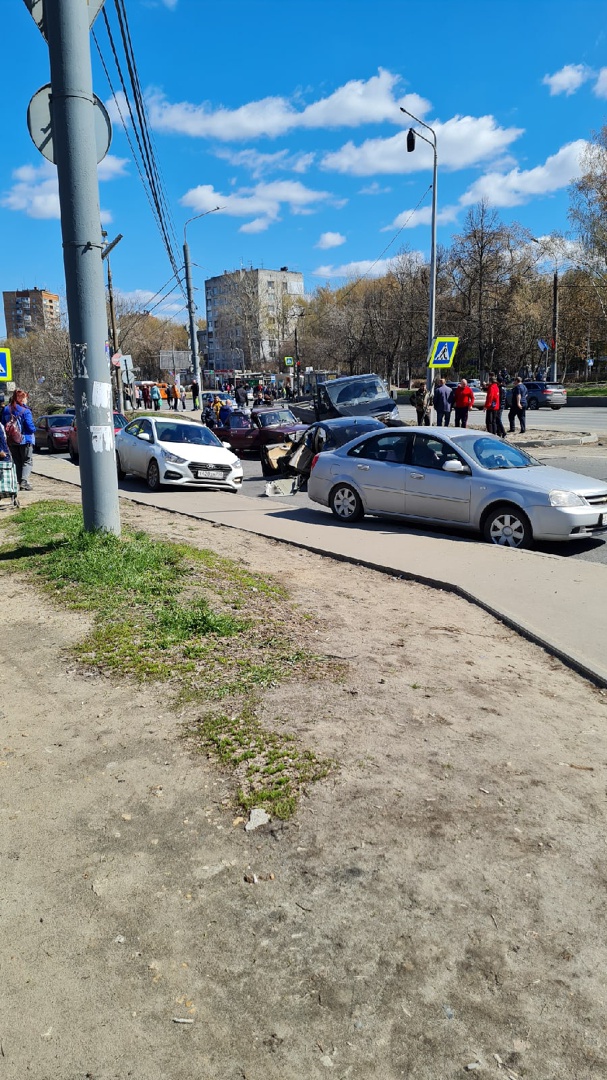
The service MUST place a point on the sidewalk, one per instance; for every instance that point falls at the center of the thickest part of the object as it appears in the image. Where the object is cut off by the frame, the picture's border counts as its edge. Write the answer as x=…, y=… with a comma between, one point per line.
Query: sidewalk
x=559, y=603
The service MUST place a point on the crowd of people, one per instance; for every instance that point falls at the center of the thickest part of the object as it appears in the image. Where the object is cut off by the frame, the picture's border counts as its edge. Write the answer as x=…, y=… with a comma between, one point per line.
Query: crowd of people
x=17, y=437
x=459, y=400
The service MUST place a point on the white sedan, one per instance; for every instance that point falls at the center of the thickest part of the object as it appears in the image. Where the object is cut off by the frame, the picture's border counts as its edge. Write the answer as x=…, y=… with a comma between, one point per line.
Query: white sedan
x=176, y=452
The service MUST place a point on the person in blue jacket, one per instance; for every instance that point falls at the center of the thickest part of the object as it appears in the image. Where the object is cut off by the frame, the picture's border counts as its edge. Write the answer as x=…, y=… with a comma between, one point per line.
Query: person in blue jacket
x=22, y=452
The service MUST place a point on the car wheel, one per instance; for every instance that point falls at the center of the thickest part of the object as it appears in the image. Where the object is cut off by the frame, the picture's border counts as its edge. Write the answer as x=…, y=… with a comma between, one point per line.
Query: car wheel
x=345, y=503
x=119, y=469
x=555, y=407
x=507, y=526
x=51, y=446
x=75, y=458
x=153, y=475
x=533, y=404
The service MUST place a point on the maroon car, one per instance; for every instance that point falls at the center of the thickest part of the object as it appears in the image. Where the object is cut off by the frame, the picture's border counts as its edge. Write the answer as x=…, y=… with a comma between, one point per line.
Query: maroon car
x=120, y=422
x=52, y=432
x=264, y=425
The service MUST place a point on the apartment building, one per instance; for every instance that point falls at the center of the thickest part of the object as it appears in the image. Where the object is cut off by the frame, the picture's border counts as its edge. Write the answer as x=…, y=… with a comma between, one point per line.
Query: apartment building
x=30, y=309
x=249, y=315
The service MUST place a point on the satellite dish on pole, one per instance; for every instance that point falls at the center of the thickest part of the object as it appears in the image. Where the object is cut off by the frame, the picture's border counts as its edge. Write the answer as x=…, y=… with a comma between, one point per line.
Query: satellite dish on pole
x=39, y=124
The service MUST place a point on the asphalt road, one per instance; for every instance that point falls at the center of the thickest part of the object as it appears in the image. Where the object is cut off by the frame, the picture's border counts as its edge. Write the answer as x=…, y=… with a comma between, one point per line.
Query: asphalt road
x=565, y=420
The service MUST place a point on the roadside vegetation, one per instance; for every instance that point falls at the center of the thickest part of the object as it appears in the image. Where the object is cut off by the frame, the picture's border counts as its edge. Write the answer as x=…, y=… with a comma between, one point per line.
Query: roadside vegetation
x=185, y=617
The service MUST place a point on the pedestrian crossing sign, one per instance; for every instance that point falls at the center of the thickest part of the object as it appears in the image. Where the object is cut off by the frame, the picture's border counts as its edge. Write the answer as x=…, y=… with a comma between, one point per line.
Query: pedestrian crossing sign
x=442, y=352
x=6, y=372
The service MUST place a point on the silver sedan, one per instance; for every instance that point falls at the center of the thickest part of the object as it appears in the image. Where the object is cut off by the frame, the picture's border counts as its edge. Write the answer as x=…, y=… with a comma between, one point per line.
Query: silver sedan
x=466, y=478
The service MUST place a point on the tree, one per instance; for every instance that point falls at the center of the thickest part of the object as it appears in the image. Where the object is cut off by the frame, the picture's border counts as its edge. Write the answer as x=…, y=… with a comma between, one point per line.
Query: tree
x=588, y=200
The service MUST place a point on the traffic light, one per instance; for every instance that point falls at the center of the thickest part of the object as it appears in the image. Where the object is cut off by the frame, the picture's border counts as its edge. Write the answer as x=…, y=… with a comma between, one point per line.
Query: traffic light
x=298, y=366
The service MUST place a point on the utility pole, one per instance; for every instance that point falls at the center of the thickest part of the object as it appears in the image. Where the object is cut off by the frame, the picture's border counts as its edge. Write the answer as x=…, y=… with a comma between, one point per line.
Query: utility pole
x=555, y=326
x=411, y=136
x=190, y=295
x=113, y=326
x=73, y=132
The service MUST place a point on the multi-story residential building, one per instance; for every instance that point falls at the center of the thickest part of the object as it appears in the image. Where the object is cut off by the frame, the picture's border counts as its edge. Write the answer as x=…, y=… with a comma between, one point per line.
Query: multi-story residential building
x=249, y=314
x=30, y=309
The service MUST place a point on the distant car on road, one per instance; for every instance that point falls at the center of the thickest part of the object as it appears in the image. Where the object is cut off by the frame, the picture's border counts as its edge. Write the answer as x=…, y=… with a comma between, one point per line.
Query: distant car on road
x=120, y=421
x=52, y=432
x=542, y=395
x=468, y=479
x=248, y=434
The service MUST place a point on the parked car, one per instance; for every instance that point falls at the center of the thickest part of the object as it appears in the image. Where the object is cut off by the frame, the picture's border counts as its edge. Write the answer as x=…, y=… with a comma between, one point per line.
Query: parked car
x=248, y=433
x=176, y=452
x=52, y=432
x=542, y=395
x=120, y=421
x=294, y=458
x=465, y=478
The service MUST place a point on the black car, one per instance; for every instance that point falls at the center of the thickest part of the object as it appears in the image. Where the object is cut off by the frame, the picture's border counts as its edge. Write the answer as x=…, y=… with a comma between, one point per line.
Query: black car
x=295, y=458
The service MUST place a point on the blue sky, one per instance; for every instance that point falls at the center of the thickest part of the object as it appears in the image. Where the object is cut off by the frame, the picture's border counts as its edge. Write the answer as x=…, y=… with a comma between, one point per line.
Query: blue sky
x=287, y=115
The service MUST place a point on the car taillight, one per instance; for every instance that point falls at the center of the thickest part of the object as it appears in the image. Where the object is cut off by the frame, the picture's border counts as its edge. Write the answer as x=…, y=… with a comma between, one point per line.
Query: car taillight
x=547, y=391
x=314, y=460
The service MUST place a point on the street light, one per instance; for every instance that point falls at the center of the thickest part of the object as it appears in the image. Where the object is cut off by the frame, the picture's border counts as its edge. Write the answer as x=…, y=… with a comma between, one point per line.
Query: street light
x=298, y=315
x=411, y=135
x=552, y=376
x=190, y=294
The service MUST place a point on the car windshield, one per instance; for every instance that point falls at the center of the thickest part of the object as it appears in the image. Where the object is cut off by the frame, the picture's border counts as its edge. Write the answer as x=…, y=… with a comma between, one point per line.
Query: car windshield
x=356, y=392
x=60, y=421
x=276, y=417
x=492, y=454
x=186, y=433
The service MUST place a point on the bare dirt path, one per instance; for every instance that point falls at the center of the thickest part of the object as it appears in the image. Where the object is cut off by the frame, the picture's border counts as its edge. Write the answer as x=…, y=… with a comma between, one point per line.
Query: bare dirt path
x=437, y=903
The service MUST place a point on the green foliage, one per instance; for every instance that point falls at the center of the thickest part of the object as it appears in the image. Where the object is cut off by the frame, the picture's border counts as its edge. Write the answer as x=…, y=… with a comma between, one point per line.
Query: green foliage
x=167, y=612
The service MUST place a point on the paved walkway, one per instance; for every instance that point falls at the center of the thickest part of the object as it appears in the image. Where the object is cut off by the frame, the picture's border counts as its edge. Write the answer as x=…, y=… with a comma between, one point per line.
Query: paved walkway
x=558, y=602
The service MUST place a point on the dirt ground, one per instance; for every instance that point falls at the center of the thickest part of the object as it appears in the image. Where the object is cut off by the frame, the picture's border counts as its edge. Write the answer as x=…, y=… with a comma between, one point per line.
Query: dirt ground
x=436, y=905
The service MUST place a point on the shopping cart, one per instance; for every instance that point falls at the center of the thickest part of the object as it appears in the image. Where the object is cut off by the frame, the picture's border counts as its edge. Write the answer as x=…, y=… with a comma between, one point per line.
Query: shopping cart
x=9, y=488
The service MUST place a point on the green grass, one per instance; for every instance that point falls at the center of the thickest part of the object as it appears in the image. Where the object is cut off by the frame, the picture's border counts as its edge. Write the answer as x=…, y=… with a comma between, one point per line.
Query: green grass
x=588, y=390
x=180, y=615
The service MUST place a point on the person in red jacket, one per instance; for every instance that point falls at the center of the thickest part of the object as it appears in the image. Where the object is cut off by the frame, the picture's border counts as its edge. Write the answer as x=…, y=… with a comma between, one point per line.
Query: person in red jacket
x=463, y=401
x=492, y=405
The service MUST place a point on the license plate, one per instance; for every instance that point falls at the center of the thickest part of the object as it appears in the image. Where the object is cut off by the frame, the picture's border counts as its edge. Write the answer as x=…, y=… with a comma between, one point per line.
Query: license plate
x=207, y=474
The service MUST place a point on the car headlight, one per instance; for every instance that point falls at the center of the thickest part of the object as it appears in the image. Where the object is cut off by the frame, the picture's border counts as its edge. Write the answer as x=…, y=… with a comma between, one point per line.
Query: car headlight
x=173, y=458
x=565, y=498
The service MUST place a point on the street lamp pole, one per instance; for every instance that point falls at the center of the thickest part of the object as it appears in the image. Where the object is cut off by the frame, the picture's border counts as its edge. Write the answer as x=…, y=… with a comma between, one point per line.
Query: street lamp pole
x=555, y=325
x=190, y=295
x=432, y=306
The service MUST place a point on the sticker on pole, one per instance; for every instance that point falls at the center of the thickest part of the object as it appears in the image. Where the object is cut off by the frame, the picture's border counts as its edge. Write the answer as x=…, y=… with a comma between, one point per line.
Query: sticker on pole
x=442, y=352
x=6, y=371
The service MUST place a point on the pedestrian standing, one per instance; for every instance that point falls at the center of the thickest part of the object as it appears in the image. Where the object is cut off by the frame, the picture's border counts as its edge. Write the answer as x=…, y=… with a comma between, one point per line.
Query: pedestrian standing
x=175, y=396
x=182, y=396
x=492, y=403
x=422, y=403
x=147, y=400
x=443, y=401
x=155, y=396
x=518, y=405
x=242, y=398
x=463, y=401
x=20, y=430
x=137, y=396
x=195, y=391
x=499, y=425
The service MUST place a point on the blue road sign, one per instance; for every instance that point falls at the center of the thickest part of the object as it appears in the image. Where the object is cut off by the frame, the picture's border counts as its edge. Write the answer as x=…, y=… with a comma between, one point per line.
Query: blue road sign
x=6, y=367
x=442, y=352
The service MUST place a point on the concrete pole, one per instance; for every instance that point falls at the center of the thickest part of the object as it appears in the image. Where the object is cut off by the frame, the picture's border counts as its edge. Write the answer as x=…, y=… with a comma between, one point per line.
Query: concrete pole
x=73, y=130
x=555, y=326
x=191, y=312
x=432, y=311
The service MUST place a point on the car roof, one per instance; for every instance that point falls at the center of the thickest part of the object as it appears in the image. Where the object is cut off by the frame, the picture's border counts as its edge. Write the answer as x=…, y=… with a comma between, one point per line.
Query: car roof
x=350, y=378
x=349, y=421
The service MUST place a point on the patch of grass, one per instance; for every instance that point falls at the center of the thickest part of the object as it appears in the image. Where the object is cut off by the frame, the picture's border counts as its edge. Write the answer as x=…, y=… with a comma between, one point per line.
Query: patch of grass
x=167, y=612
x=271, y=770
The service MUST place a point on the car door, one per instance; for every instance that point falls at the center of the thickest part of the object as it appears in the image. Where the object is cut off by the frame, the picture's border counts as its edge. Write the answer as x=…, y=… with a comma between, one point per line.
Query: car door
x=140, y=447
x=240, y=433
x=41, y=434
x=129, y=446
x=430, y=492
x=378, y=470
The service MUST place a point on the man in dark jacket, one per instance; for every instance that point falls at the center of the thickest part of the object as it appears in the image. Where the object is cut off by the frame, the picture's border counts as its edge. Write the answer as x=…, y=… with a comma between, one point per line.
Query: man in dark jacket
x=443, y=401
x=518, y=405
x=22, y=452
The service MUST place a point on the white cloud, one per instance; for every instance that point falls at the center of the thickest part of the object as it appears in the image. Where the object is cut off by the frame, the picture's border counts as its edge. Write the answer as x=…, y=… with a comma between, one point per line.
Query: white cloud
x=568, y=79
x=362, y=268
x=600, y=87
x=518, y=186
x=374, y=189
x=462, y=142
x=262, y=203
x=261, y=164
x=356, y=102
x=410, y=219
x=330, y=240
x=35, y=190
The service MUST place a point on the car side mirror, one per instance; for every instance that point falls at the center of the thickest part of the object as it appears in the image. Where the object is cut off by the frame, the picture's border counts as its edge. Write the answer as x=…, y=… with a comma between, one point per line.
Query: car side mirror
x=144, y=436
x=454, y=466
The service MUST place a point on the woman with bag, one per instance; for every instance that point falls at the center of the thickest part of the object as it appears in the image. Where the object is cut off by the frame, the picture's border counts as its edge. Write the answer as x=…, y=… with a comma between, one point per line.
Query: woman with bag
x=20, y=431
